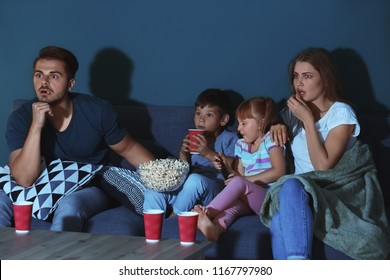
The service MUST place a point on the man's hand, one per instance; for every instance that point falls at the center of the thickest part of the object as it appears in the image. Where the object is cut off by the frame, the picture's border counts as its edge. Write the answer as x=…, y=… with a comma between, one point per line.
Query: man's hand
x=40, y=110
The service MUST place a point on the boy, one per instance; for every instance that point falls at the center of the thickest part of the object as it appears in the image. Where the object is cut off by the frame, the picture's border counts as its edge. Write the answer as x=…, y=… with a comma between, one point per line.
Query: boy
x=212, y=108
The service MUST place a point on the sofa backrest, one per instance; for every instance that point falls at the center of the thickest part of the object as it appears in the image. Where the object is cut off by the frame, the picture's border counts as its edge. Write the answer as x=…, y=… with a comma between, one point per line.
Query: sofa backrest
x=160, y=129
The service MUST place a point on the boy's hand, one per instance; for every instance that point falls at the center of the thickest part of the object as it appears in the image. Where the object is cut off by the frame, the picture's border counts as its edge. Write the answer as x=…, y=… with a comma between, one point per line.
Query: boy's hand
x=185, y=149
x=219, y=163
x=202, y=146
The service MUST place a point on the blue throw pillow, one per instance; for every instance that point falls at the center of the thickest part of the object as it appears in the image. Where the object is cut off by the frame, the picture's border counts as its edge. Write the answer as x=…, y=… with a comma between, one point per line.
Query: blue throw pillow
x=57, y=180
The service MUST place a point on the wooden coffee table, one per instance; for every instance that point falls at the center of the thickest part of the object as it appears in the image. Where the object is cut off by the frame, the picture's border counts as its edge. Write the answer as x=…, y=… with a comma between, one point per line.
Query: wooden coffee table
x=51, y=245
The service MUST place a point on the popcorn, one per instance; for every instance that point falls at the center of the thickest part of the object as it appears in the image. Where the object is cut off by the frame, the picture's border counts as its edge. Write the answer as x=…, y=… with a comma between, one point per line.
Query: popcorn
x=163, y=175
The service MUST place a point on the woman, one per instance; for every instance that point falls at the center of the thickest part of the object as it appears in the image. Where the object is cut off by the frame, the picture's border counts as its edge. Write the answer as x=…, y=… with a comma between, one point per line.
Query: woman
x=334, y=193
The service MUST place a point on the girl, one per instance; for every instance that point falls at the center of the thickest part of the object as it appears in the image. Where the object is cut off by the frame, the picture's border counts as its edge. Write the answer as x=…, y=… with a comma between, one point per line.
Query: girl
x=259, y=163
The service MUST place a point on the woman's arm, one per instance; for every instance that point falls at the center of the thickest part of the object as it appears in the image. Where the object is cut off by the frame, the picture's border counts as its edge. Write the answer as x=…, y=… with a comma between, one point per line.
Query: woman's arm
x=325, y=155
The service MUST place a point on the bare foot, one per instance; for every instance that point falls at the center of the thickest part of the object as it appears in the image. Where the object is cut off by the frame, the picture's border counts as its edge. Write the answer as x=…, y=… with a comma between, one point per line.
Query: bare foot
x=210, y=212
x=199, y=207
x=207, y=227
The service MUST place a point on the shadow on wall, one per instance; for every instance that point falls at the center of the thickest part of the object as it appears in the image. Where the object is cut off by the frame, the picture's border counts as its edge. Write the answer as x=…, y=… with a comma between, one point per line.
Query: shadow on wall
x=373, y=116
x=357, y=83
x=235, y=100
x=110, y=77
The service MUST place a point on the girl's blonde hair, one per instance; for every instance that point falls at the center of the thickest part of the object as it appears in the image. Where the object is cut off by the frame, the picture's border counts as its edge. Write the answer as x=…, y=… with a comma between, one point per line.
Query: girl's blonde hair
x=262, y=109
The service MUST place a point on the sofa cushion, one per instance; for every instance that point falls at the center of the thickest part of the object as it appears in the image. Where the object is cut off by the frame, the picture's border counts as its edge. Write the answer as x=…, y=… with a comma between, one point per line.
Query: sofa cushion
x=124, y=186
x=117, y=221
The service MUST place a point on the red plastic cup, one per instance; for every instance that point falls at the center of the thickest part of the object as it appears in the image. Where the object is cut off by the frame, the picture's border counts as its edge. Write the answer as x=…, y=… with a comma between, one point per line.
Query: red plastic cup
x=192, y=132
x=153, y=219
x=188, y=222
x=22, y=216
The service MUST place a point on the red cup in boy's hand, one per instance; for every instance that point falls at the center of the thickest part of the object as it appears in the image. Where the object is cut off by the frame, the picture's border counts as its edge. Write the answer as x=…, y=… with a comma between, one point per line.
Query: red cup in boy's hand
x=191, y=136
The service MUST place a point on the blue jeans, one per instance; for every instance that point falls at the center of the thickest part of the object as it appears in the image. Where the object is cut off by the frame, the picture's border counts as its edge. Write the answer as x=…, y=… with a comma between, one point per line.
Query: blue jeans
x=292, y=226
x=71, y=213
x=196, y=189
x=6, y=210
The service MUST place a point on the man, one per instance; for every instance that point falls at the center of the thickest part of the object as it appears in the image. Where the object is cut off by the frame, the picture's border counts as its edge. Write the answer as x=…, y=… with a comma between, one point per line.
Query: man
x=69, y=126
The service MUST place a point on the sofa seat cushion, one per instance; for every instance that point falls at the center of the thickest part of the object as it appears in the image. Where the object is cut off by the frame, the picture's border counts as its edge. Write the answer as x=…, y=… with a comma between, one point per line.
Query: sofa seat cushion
x=37, y=224
x=117, y=221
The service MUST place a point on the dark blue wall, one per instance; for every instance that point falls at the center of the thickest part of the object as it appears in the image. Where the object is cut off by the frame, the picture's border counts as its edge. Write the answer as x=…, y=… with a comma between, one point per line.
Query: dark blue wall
x=166, y=52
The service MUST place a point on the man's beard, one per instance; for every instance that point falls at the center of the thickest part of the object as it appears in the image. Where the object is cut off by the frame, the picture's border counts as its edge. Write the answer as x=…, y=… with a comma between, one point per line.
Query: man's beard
x=55, y=102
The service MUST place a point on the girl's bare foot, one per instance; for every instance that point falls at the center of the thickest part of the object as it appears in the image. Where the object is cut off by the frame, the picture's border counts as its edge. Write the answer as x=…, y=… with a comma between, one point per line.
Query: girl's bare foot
x=199, y=207
x=207, y=227
x=210, y=212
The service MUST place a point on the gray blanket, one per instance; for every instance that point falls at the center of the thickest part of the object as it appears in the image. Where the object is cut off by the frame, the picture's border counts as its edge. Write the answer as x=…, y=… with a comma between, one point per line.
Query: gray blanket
x=349, y=213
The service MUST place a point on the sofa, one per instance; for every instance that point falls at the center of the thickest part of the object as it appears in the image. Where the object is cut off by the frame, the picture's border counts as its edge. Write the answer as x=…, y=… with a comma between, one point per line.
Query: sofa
x=161, y=129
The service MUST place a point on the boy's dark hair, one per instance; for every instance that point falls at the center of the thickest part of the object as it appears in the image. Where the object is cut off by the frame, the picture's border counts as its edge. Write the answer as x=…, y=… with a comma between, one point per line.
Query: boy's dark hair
x=53, y=52
x=215, y=98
